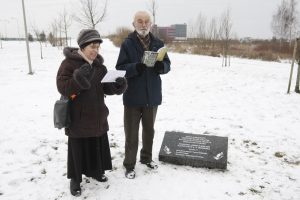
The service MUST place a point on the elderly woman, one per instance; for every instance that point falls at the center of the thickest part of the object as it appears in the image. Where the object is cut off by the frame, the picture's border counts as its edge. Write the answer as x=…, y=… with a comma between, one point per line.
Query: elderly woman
x=79, y=78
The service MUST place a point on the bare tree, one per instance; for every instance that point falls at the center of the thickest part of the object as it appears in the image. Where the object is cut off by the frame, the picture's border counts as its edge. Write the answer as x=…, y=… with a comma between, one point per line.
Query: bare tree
x=292, y=16
x=90, y=14
x=60, y=31
x=153, y=10
x=57, y=29
x=225, y=35
x=278, y=24
x=66, y=23
x=53, y=37
x=191, y=29
x=198, y=31
x=201, y=27
x=284, y=21
x=212, y=32
x=37, y=34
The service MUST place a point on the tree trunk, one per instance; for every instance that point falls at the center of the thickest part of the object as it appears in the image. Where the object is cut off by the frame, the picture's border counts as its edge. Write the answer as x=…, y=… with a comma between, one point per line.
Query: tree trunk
x=226, y=52
x=66, y=37
x=223, y=57
x=292, y=66
x=297, y=89
x=41, y=50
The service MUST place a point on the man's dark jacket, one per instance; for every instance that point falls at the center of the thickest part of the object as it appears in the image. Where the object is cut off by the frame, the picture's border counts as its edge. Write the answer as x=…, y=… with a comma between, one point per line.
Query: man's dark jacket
x=144, y=89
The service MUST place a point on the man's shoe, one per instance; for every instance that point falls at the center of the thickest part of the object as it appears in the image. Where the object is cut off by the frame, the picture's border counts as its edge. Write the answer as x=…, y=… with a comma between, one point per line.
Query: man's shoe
x=151, y=164
x=102, y=178
x=75, y=188
x=130, y=173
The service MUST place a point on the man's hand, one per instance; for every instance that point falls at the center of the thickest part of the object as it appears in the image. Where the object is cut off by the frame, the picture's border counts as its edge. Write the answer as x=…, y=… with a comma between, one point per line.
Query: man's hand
x=159, y=67
x=140, y=68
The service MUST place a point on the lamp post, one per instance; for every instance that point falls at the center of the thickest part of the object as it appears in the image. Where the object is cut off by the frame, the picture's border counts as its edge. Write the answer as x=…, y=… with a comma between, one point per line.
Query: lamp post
x=26, y=38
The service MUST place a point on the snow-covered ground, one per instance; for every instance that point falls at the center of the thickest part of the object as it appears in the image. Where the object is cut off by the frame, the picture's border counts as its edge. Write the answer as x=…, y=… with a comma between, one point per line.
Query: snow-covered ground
x=246, y=102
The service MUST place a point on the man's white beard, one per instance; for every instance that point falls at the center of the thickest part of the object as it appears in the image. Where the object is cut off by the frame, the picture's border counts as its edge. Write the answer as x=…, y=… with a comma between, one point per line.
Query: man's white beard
x=143, y=32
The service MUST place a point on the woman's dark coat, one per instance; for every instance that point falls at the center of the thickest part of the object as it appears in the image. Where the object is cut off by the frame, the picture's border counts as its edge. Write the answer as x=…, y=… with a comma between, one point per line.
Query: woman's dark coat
x=88, y=110
x=144, y=89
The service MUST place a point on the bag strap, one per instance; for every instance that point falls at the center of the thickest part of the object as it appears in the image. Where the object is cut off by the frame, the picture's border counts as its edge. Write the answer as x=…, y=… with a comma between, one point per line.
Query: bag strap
x=64, y=97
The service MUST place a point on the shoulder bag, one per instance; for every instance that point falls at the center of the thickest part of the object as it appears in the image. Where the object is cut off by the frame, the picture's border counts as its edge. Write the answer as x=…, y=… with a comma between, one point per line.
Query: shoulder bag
x=61, y=113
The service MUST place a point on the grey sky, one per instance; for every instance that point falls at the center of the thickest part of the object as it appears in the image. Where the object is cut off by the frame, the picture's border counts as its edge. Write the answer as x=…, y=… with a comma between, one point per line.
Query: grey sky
x=250, y=17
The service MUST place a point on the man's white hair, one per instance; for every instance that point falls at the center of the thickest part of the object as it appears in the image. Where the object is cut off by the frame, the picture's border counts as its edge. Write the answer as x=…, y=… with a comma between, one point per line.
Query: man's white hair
x=142, y=12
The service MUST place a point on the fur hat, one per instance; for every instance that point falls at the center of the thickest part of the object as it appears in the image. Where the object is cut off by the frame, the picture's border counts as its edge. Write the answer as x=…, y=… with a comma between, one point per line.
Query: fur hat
x=87, y=36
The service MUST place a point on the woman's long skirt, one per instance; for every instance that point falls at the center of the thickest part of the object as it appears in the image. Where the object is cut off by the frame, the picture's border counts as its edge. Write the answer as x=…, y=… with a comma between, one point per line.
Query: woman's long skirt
x=88, y=156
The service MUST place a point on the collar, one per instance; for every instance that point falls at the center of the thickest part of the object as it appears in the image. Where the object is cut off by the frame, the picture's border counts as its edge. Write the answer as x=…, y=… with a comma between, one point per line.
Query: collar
x=84, y=57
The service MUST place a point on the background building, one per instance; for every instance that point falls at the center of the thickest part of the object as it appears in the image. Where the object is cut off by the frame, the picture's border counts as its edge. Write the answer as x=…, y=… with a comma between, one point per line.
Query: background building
x=170, y=33
x=180, y=31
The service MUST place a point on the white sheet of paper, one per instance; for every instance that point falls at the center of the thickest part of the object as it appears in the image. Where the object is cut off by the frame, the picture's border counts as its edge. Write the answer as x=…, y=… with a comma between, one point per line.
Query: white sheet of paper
x=111, y=75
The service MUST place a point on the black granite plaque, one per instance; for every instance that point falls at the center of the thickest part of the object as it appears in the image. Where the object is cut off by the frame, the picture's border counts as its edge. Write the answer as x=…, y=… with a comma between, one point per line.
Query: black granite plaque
x=194, y=150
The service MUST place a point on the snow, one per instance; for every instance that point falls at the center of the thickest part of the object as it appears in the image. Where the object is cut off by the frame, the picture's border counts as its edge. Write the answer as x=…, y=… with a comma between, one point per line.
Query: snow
x=246, y=102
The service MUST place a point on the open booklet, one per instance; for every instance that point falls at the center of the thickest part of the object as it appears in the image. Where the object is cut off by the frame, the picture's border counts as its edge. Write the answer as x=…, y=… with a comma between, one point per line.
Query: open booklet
x=150, y=57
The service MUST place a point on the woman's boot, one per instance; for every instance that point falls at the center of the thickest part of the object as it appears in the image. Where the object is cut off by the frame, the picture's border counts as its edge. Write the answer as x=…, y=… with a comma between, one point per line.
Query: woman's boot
x=75, y=188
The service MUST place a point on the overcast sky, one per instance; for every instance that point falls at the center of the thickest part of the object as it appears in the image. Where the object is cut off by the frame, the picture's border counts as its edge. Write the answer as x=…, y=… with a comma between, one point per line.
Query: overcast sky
x=251, y=18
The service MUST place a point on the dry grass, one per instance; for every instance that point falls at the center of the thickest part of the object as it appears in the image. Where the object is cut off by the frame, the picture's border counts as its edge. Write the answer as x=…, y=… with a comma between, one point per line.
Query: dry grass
x=264, y=50
x=269, y=50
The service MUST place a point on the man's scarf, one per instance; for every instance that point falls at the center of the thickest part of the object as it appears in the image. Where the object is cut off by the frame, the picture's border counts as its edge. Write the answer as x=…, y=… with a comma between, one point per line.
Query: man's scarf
x=144, y=41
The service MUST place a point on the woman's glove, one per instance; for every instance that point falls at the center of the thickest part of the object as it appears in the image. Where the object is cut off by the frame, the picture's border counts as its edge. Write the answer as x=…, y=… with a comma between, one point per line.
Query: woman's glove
x=120, y=85
x=81, y=76
x=85, y=70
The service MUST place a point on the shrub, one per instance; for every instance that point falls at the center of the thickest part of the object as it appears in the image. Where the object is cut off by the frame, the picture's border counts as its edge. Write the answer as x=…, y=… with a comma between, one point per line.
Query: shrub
x=119, y=36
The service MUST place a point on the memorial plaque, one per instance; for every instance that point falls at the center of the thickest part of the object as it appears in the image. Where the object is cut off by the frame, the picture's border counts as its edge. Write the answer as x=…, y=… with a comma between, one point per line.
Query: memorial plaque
x=194, y=150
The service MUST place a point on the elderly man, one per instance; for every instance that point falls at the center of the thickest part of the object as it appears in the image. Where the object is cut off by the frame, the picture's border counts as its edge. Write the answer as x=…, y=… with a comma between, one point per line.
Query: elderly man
x=143, y=94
